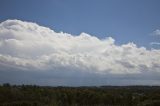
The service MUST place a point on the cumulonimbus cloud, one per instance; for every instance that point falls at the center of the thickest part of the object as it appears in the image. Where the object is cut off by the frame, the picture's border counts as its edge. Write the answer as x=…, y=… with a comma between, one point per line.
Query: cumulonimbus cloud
x=28, y=46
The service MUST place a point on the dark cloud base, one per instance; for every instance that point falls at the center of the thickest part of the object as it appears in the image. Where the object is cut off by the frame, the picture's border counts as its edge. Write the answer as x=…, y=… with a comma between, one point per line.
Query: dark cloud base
x=72, y=78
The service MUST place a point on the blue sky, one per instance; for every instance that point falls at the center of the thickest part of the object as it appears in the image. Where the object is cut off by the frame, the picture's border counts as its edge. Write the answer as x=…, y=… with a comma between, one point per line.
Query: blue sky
x=124, y=20
x=103, y=55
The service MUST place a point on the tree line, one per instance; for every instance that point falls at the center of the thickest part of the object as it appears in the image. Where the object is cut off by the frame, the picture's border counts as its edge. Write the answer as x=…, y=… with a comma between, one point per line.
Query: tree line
x=32, y=95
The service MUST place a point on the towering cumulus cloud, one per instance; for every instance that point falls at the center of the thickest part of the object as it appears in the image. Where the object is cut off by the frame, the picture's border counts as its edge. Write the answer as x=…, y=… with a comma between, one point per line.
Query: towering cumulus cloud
x=26, y=47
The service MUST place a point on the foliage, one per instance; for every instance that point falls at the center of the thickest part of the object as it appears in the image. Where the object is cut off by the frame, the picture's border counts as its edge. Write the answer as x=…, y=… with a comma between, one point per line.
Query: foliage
x=31, y=95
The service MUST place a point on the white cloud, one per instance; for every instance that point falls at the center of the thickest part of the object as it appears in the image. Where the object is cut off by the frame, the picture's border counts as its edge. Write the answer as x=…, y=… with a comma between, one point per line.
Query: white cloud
x=28, y=46
x=156, y=32
x=155, y=43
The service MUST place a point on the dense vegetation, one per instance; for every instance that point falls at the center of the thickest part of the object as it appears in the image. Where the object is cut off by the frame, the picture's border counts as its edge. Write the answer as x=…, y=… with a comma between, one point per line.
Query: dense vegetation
x=31, y=95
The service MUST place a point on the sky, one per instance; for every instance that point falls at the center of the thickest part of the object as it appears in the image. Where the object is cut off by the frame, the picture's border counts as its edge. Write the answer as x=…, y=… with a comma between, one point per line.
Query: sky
x=80, y=42
x=124, y=20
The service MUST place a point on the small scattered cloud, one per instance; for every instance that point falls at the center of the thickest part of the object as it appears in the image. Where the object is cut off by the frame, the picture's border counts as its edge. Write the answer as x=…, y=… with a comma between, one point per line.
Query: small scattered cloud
x=156, y=33
x=61, y=58
x=155, y=43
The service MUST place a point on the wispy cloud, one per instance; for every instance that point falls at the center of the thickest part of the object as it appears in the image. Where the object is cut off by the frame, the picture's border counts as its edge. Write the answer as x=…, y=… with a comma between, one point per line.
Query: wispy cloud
x=155, y=43
x=29, y=47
